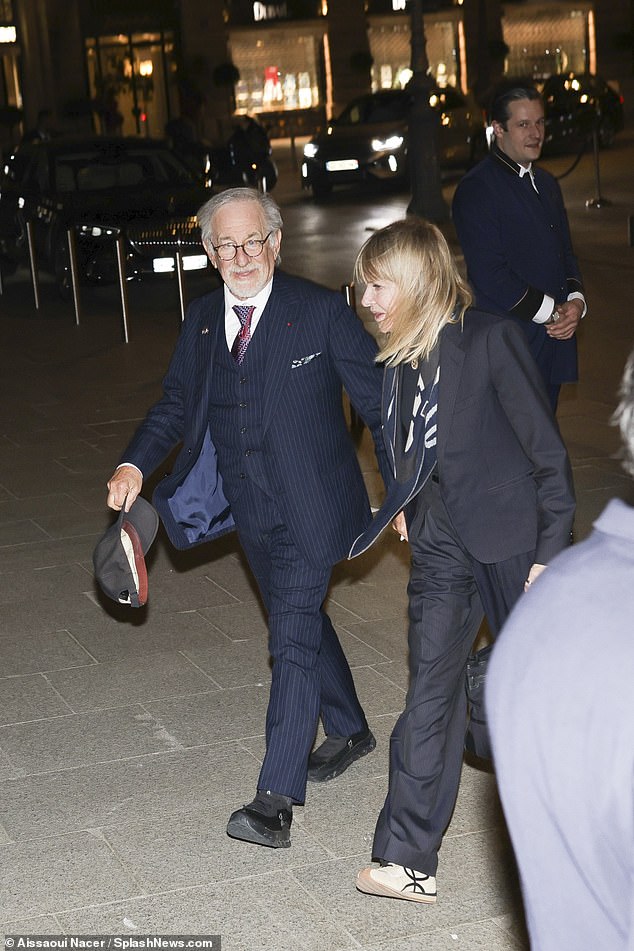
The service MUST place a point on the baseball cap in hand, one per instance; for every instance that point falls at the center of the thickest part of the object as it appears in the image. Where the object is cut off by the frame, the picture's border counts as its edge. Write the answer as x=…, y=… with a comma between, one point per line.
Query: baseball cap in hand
x=119, y=555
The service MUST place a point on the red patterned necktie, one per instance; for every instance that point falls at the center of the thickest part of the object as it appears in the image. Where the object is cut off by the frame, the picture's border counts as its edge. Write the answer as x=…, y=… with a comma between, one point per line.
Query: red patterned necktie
x=241, y=342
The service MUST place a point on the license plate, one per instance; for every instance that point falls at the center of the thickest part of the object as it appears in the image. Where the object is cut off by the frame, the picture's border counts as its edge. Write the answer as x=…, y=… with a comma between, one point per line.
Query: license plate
x=191, y=262
x=342, y=165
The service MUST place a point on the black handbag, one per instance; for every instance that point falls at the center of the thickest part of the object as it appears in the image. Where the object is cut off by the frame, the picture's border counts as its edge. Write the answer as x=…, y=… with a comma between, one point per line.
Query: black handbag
x=477, y=736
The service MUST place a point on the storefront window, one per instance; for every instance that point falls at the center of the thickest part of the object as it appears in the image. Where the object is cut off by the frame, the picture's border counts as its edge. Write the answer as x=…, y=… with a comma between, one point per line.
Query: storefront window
x=390, y=46
x=132, y=83
x=279, y=69
x=546, y=39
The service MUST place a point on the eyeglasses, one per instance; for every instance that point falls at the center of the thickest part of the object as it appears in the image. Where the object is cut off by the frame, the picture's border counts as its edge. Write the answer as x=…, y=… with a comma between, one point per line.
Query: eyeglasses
x=252, y=248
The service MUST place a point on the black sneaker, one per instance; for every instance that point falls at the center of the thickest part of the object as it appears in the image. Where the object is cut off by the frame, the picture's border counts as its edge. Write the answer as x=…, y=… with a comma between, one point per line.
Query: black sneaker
x=336, y=753
x=253, y=824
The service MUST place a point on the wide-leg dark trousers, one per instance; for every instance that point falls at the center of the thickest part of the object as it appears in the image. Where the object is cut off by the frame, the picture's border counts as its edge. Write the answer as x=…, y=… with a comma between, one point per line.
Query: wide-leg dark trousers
x=310, y=676
x=449, y=593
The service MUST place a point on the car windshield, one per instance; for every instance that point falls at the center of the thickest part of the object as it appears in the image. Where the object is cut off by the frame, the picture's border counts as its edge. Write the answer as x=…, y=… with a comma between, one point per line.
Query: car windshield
x=377, y=108
x=394, y=105
x=86, y=170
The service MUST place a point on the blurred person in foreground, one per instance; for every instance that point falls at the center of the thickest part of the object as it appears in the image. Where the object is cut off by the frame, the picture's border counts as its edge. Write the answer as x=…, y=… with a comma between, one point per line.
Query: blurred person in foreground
x=513, y=227
x=483, y=493
x=559, y=703
x=253, y=394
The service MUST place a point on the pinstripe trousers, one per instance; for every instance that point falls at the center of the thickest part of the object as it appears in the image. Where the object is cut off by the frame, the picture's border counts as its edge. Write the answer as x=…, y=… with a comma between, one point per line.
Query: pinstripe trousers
x=449, y=592
x=310, y=676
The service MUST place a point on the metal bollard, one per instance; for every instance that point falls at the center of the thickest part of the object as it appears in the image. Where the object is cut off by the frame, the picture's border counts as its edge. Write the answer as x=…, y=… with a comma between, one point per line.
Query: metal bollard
x=123, y=287
x=74, y=271
x=179, y=275
x=599, y=201
x=33, y=264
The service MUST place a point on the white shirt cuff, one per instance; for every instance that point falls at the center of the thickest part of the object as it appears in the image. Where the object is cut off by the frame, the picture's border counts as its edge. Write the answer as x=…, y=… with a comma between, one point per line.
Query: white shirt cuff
x=545, y=311
x=131, y=465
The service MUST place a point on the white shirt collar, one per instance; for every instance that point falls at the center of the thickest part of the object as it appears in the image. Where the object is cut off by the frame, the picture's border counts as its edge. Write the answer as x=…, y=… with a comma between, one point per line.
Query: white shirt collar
x=259, y=301
x=528, y=170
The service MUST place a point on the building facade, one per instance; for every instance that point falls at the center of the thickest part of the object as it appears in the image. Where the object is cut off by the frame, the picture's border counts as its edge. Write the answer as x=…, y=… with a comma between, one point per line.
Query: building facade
x=131, y=66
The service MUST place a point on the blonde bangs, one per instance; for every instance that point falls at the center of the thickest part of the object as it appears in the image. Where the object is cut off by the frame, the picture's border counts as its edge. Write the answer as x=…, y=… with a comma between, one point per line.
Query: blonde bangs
x=414, y=255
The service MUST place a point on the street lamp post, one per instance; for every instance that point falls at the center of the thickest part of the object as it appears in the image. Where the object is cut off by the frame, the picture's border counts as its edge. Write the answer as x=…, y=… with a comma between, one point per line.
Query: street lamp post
x=427, y=199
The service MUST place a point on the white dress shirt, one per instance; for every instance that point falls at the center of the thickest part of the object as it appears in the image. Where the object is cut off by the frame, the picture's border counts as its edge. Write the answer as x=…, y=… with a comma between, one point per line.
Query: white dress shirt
x=232, y=321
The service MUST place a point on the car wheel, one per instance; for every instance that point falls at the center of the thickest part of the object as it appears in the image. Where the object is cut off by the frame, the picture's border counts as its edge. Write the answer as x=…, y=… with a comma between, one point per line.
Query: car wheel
x=607, y=132
x=61, y=270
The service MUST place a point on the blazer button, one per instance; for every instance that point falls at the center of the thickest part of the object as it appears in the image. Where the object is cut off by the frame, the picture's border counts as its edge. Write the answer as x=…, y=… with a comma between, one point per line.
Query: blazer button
x=243, y=475
x=243, y=379
x=242, y=405
x=248, y=452
x=242, y=432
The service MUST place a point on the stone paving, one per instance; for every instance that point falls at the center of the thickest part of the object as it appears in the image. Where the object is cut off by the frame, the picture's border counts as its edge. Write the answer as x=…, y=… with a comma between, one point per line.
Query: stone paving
x=127, y=738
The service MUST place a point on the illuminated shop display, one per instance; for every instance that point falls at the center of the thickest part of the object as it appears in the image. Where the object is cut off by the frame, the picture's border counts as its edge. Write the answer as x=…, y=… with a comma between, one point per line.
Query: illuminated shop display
x=279, y=69
x=546, y=38
x=286, y=66
x=10, y=92
x=390, y=46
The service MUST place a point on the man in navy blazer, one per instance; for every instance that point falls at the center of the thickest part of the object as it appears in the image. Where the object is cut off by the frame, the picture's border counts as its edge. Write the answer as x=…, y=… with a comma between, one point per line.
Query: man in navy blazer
x=253, y=395
x=513, y=228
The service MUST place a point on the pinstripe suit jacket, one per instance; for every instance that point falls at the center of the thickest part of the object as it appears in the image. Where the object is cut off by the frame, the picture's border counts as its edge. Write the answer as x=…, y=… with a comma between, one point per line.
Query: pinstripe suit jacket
x=315, y=344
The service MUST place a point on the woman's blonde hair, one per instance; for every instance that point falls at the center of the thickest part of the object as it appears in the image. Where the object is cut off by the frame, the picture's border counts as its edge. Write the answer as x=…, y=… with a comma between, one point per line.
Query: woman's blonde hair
x=430, y=292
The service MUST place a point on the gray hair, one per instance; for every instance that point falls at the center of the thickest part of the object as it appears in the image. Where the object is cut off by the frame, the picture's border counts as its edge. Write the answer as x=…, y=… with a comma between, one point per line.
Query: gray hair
x=624, y=415
x=267, y=205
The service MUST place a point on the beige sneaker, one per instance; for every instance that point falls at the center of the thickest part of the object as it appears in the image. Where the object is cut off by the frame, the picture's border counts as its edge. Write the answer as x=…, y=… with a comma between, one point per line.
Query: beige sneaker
x=396, y=881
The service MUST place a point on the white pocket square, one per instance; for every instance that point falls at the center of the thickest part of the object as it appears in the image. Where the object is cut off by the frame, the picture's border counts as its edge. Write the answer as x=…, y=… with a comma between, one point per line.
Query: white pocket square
x=302, y=361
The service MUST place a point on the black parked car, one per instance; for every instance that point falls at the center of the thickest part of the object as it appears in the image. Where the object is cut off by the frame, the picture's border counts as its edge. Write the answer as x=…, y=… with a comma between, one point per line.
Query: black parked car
x=101, y=188
x=369, y=140
x=576, y=103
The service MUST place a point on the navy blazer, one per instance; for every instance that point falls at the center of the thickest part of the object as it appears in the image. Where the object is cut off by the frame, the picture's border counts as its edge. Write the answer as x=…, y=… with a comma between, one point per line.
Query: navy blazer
x=503, y=469
x=315, y=343
x=517, y=247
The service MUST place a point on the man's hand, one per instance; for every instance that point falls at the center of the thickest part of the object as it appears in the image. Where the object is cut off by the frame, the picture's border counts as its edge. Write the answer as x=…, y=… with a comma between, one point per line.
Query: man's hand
x=569, y=316
x=533, y=574
x=125, y=481
x=400, y=526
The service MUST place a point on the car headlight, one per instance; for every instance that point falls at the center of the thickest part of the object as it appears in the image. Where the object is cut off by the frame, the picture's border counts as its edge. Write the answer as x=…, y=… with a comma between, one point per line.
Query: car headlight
x=98, y=231
x=310, y=150
x=390, y=144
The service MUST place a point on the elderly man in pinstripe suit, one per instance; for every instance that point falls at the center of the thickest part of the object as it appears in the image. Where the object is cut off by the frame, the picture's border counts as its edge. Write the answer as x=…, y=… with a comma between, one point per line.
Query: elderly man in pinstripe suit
x=253, y=394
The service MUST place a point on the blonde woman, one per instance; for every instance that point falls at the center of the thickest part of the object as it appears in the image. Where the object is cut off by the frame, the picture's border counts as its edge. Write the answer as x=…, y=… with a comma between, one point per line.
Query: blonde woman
x=482, y=492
